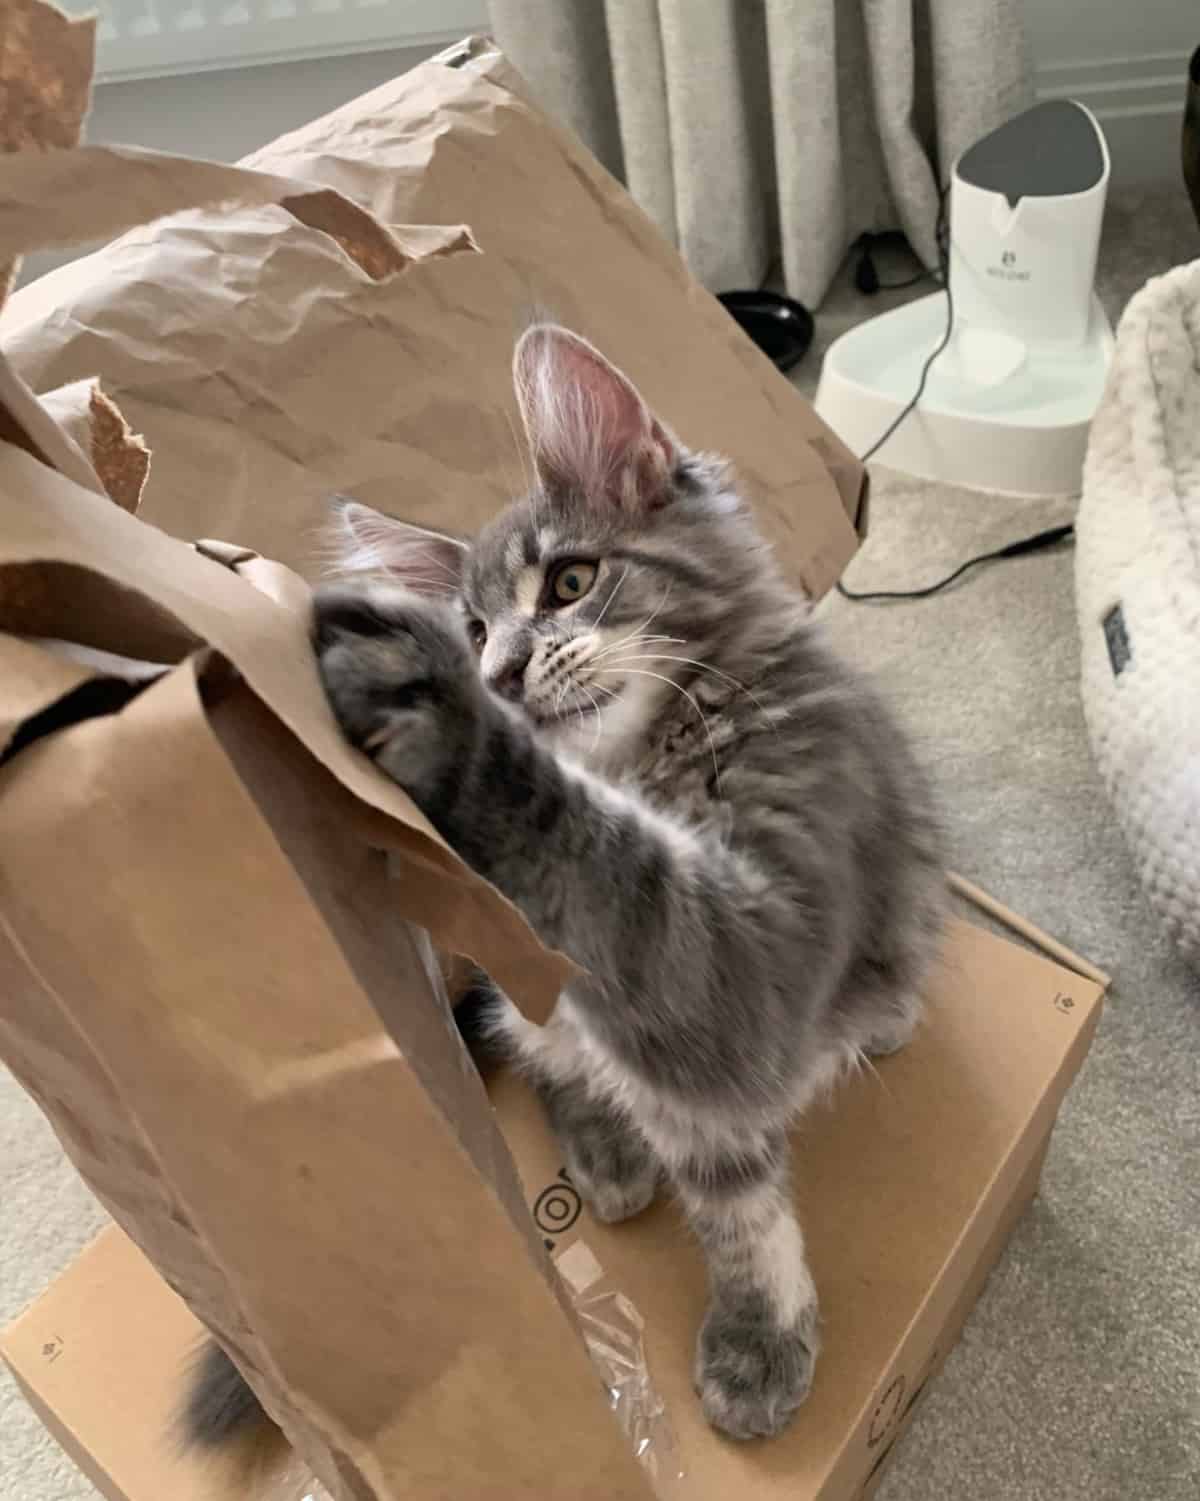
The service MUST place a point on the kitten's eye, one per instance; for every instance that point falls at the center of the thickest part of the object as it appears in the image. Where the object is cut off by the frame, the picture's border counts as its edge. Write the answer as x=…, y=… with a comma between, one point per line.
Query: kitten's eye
x=571, y=582
x=478, y=634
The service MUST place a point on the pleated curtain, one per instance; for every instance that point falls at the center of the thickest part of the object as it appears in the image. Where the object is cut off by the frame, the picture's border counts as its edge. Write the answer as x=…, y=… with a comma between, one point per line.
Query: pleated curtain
x=750, y=129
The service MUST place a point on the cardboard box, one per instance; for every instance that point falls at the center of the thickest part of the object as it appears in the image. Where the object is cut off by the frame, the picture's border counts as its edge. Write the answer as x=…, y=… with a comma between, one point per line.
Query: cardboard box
x=909, y=1183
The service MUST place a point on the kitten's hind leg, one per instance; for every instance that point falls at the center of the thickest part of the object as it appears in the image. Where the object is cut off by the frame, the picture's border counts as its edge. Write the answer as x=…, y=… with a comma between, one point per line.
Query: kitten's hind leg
x=880, y=1008
x=608, y=1159
x=759, y=1339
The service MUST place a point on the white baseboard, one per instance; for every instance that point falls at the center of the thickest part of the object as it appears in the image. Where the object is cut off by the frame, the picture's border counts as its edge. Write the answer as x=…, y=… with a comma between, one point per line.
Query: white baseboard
x=1139, y=103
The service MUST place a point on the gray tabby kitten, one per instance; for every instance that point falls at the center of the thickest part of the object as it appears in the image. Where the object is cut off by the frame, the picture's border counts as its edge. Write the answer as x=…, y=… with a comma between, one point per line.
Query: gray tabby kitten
x=611, y=706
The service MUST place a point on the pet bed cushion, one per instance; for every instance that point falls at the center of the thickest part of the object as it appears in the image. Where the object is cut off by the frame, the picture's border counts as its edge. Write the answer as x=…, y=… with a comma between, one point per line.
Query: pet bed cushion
x=1138, y=594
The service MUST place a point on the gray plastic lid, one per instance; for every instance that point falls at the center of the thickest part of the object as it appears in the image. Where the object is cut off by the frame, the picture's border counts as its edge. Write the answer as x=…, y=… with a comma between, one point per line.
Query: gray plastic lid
x=1051, y=150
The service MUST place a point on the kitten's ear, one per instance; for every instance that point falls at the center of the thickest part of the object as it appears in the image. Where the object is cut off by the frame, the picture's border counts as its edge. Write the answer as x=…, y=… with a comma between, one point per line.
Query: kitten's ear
x=367, y=541
x=589, y=431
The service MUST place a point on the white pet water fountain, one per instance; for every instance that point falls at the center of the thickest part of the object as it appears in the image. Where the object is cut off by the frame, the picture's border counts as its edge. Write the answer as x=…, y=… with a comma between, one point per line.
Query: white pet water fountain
x=1007, y=404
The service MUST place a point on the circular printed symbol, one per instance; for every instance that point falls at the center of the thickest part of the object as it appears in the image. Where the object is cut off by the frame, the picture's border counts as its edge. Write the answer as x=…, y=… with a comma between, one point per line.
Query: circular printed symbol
x=556, y=1208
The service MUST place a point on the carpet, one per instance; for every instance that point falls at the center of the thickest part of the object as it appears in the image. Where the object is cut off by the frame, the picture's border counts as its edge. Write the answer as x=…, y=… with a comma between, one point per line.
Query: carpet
x=1078, y=1375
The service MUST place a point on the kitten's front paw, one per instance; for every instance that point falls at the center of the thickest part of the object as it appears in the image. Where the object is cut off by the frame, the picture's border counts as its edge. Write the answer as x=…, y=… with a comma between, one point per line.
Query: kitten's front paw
x=400, y=677
x=752, y=1375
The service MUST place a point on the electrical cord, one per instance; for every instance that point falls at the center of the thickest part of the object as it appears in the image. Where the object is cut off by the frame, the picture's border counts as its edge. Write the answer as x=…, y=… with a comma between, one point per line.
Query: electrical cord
x=1036, y=543
x=907, y=408
x=866, y=273
x=942, y=239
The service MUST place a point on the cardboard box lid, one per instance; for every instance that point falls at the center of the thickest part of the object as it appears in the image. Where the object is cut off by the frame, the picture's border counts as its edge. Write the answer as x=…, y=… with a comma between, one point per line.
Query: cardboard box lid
x=899, y=1183
x=903, y=1184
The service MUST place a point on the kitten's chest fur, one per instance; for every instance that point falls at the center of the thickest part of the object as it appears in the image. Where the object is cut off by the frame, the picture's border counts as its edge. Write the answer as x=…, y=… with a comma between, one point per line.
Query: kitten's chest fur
x=686, y=761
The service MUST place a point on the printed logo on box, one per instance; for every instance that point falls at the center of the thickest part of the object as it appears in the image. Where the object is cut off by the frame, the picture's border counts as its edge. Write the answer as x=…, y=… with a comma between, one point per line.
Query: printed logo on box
x=893, y=1407
x=556, y=1208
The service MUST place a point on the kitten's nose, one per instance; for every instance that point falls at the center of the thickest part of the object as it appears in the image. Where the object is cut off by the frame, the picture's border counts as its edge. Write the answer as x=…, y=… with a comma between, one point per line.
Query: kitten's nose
x=508, y=678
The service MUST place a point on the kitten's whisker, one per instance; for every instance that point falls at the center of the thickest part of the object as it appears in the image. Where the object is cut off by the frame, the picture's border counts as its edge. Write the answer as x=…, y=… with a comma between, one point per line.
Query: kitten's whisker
x=863, y=1063
x=691, y=662
x=638, y=641
x=417, y=582
x=638, y=628
x=559, y=696
x=705, y=667
x=658, y=611
x=611, y=597
x=599, y=720
x=671, y=683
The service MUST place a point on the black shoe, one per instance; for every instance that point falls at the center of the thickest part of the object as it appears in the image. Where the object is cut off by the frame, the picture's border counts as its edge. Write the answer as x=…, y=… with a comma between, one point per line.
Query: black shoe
x=781, y=327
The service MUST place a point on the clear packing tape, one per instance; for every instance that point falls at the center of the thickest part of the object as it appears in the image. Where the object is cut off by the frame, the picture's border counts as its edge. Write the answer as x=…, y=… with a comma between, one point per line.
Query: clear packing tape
x=613, y=1331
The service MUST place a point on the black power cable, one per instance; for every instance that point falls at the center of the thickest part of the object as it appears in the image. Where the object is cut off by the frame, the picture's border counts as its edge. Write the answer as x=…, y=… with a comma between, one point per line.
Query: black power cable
x=942, y=238
x=1036, y=543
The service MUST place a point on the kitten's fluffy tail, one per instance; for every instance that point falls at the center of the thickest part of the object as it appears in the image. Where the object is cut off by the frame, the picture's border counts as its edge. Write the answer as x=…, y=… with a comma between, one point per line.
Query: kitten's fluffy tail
x=219, y=1405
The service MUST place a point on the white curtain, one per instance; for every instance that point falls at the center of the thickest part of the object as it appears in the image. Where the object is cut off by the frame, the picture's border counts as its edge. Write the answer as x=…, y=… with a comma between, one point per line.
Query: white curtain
x=749, y=128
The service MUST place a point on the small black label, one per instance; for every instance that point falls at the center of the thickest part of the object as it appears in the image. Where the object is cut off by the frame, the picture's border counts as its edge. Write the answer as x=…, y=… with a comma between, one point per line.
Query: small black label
x=1116, y=638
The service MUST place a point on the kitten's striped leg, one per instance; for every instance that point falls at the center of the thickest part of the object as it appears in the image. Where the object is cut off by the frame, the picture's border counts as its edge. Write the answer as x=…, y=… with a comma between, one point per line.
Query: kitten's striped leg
x=755, y=1353
x=608, y=1159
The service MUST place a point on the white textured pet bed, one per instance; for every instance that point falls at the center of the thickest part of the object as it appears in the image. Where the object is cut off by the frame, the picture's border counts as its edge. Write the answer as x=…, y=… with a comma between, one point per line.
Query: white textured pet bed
x=1137, y=577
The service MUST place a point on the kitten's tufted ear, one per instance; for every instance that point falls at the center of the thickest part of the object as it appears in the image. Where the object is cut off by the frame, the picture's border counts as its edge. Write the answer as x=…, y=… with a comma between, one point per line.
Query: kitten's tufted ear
x=590, y=432
x=364, y=541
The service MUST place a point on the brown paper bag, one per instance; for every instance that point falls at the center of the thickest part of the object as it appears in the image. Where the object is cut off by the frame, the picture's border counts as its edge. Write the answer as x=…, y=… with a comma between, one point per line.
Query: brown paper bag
x=213, y=985
x=208, y=988
x=214, y=970
x=259, y=402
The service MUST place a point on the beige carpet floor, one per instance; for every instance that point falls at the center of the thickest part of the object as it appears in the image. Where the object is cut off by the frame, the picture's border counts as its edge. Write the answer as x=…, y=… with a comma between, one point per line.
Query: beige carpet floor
x=1078, y=1377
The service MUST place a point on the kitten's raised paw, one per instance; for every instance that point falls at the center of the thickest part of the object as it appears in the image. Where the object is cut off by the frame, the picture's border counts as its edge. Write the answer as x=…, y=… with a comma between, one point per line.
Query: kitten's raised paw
x=399, y=675
x=752, y=1375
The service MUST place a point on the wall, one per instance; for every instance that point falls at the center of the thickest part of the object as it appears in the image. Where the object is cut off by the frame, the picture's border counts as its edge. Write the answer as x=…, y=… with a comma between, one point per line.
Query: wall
x=1127, y=61
x=225, y=114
